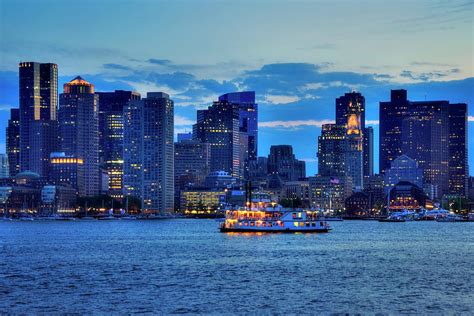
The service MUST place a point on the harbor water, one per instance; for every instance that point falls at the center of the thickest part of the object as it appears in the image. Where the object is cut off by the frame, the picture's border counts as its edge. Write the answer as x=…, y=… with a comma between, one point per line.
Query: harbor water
x=188, y=266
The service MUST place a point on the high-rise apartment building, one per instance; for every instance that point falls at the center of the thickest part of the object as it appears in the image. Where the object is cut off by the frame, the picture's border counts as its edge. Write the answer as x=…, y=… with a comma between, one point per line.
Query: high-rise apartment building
x=111, y=106
x=13, y=142
x=79, y=130
x=149, y=152
x=38, y=105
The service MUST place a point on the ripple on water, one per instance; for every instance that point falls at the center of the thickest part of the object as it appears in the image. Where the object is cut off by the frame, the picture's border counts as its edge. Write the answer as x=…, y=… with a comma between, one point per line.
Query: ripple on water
x=187, y=267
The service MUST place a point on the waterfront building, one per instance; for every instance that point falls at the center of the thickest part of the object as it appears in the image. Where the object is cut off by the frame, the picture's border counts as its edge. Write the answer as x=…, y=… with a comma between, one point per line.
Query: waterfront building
x=329, y=193
x=220, y=179
x=357, y=205
x=374, y=189
x=192, y=161
x=57, y=199
x=296, y=190
x=149, y=152
x=13, y=142
x=79, y=130
x=433, y=133
x=407, y=196
x=403, y=168
x=230, y=126
x=201, y=200
x=4, y=166
x=66, y=170
x=283, y=162
x=38, y=100
x=111, y=106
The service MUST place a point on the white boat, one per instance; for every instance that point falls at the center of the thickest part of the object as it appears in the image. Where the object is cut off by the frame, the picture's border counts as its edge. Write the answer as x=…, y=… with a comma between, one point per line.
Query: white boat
x=274, y=220
x=451, y=217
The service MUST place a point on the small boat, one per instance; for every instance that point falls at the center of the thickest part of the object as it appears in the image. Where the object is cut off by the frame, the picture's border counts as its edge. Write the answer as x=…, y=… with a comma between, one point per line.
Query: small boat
x=273, y=220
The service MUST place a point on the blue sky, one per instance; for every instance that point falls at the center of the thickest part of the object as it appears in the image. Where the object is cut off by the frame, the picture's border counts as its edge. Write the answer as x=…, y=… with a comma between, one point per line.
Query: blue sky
x=297, y=55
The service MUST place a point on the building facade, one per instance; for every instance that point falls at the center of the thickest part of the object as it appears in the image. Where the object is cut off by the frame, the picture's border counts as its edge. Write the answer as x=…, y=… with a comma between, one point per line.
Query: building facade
x=38, y=123
x=192, y=160
x=329, y=193
x=13, y=142
x=431, y=132
x=149, y=152
x=4, y=172
x=230, y=126
x=405, y=169
x=111, y=106
x=79, y=130
x=66, y=170
x=283, y=162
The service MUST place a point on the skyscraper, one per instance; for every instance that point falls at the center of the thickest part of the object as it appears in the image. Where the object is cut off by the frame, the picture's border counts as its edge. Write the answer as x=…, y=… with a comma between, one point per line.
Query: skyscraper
x=282, y=161
x=13, y=142
x=350, y=112
x=79, y=130
x=403, y=168
x=331, y=150
x=368, y=143
x=391, y=116
x=230, y=126
x=458, y=140
x=111, y=106
x=38, y=105
x=149, y=152
x=433, y=133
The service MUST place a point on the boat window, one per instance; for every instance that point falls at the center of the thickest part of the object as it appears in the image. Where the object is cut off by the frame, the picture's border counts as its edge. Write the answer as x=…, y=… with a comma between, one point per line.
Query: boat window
x=299, y=215
x=258, y=224
x=264, y=224
x=313, y=224
x=252, y=223
x=270, y=224
x=240, y=224
x=282, y=224
x=294, y=215
x=296, y=224
x=321, y=223
x=301, y=224
x=307, y=224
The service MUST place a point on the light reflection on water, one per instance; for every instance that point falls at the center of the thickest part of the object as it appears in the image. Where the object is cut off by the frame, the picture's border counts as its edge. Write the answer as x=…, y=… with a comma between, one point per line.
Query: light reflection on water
x=187, y=266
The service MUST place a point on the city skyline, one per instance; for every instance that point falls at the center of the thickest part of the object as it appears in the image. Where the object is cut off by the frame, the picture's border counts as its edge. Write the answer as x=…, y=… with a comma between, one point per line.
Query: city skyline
x=296, y=76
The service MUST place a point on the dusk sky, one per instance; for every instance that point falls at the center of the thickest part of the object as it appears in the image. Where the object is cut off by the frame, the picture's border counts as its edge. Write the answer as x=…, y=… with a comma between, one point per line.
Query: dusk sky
x=297, y=55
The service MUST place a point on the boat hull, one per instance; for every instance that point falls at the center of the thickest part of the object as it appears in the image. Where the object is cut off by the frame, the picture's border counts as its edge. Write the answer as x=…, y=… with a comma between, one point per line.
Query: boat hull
x=287, y=230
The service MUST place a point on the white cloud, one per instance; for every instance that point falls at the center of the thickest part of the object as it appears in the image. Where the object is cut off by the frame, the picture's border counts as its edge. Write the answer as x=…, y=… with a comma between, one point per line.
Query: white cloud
x=146, y=86
x=182, y=121
x=281, y=99
x=470, y=118
x=294, y=123
x=5, y=107
x=372, y=122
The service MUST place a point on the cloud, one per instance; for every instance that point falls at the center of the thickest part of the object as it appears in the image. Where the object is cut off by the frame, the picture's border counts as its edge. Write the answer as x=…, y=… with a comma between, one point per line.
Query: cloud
x=294, y=123
x=371, y=122
x=182, y=121
x=281, y=99
x=5, y=107
x=470, y=118
x=159, y=61
x=116, y=67
x=428, y=76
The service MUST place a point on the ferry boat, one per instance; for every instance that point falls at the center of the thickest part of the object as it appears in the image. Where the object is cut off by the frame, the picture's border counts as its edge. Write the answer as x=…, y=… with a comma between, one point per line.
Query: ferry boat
x=274, y=220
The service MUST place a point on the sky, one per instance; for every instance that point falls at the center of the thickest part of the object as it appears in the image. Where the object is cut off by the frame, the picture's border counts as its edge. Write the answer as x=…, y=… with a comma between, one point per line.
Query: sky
x=298, y=56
